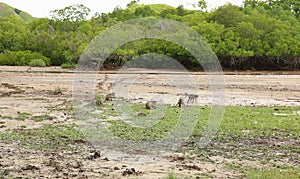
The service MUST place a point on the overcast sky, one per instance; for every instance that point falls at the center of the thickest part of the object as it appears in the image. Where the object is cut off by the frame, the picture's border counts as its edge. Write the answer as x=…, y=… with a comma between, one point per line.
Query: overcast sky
x=41, y=8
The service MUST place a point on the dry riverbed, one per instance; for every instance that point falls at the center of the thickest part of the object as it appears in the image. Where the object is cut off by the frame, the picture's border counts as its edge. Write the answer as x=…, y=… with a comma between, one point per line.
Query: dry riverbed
x=26, y=96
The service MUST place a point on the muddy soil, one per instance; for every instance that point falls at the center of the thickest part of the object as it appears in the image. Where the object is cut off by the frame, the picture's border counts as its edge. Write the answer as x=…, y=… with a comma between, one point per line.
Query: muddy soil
x=33, y=91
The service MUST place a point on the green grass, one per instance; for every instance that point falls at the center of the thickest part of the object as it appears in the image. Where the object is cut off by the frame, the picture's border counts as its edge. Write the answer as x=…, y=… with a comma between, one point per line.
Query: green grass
x=22, y=116
x=274, y=173
x=260, y=121
x=159, y=130
x=171, y=176
x=238, y=122
x=243, y=133
x=41, y=118
x=46, y=138
x=8, y=11
x=100, y=99
x=25, y=115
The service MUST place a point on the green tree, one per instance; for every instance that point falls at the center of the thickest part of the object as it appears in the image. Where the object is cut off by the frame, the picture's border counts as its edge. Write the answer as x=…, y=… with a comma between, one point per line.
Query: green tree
x=13, y=33
x=202, y=5
x=74, y=13
x=144, y=11
x=229, y=15
x=181, y=11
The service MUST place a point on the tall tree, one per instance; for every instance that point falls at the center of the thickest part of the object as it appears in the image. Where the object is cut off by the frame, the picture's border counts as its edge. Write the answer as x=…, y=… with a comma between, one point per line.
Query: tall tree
x=74, y=13
x=229, y=15
x=202, y=5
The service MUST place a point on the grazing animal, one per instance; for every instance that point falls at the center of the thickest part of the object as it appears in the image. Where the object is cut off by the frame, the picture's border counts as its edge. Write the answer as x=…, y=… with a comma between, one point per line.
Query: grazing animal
x=192, y=98
x=151, y=105
x=180, y=102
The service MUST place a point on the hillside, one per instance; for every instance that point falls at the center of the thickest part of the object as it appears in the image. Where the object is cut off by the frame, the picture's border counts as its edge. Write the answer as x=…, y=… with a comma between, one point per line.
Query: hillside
x=157, y=8
x=6, y=10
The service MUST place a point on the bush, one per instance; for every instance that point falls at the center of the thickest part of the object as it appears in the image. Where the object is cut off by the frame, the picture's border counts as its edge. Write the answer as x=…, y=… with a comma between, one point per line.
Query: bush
x=68, y=65
x=20, y=58
x=3, y=59
x=37, y=63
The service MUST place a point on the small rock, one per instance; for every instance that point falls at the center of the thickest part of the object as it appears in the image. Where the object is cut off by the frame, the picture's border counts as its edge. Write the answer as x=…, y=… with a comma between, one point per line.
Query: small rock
x=130, y=171
x=116, y=168
x=30, y=167
x=106, y=159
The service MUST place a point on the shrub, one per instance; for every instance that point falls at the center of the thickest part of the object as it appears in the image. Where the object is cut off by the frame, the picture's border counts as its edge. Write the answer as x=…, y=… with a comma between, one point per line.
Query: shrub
x=68, y=65
x=21, y=57
x=3, y=59
x=37, y=63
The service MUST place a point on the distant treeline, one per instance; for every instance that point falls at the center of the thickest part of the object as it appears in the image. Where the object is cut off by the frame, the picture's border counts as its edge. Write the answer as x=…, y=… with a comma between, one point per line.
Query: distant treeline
x=260, y=35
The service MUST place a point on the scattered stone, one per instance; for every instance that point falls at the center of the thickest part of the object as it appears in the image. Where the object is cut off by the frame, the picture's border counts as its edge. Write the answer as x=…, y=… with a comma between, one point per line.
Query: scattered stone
x=106, y=159
x=127, y=172
x=30, y=167
x=116, y=168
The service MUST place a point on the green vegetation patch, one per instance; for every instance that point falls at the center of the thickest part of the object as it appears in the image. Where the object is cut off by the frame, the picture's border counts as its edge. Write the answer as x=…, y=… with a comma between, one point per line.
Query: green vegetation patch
x=257, y=35
x=37, y=63
x=24, y=115
x=246, y=133
x=274, y=173
x=257, y=121
x=47, y=138
x=6, y=10
x=171, y=176
x=41, y=118
x=254, y=133
x=238, y=122
x=68, y=65
x=163, y=126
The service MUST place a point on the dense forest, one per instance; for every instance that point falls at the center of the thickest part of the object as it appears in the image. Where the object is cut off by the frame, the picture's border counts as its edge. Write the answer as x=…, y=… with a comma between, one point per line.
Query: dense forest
x=259, y=35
